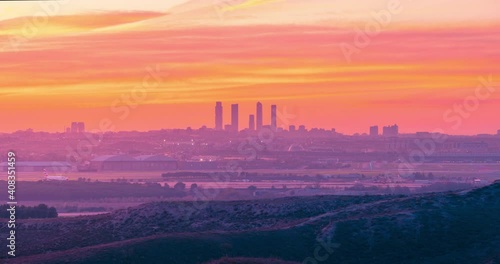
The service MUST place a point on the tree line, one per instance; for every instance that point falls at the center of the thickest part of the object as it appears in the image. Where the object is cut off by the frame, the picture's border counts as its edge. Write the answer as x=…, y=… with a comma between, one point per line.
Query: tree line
x=24, y=212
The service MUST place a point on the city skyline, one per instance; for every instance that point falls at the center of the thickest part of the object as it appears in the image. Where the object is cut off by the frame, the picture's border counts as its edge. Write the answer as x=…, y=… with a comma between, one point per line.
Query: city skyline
x=250, y=131
x=235, y=115
x=219, y=118
x=319, y=62
x=290, y=128
x=363, y=128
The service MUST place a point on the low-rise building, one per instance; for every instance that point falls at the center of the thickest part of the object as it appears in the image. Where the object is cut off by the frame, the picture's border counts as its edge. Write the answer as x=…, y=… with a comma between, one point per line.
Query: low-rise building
x=131, y=163
x=34, y=166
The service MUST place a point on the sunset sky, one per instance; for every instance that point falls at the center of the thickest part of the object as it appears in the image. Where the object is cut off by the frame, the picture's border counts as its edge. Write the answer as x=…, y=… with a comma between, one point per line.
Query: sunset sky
x=86, y=61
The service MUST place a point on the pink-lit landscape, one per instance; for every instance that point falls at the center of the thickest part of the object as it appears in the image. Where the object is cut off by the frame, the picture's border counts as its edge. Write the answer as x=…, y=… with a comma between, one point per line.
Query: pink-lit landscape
x=250, y=131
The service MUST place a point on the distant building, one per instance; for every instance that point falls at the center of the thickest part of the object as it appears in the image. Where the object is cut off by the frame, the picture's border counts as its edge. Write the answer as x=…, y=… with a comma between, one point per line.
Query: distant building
x=113, y=163
x=292, y=128
x=156, y=163
x=234, y=118
x=228, y=128
x=498, y=132
x=251, y=122
x=218, y=116
x=77, y=127
x=423, y=134
x=473, y=147
x=259, y=116
x=374, y=131
x=295, y=148
x=74, y=127
x=302, y=128
x=81, y=127
x=273, y=117
x=201, y=165
x=391, y=131
x=130, y=163
x=39, y=166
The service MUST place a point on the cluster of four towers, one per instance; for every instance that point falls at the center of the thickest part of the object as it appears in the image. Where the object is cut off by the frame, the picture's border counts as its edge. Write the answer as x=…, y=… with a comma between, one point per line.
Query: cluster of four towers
x=255, y=122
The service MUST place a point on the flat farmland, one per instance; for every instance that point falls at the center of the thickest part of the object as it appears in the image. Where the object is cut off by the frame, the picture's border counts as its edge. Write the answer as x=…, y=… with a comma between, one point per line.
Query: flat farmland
x=484, y=171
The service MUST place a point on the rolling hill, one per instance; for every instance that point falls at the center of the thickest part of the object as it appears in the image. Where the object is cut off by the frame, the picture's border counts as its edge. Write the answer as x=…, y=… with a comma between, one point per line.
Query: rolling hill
x=452, y=227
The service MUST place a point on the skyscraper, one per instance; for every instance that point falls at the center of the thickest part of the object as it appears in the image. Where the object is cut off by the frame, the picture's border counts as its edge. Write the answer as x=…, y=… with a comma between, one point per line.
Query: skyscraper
x=77, y=127
x=391, y=131
x=259, y=116
x=251, y=122
x=234, y=118
x=374, y=131
x=81, y=127
x=74, y=127
x=218, y=116
x=273, y=117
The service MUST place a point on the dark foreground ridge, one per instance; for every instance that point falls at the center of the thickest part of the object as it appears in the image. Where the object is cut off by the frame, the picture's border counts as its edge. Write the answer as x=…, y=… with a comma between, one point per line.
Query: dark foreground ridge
x=452, y=227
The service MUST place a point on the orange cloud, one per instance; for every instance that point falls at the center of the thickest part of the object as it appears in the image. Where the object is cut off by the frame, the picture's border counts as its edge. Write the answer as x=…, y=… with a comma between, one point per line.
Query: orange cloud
x=57, y=25
x=404, y=75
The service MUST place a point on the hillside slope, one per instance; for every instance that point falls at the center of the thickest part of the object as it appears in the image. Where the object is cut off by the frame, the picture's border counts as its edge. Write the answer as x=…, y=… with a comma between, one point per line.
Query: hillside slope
x=456, y=227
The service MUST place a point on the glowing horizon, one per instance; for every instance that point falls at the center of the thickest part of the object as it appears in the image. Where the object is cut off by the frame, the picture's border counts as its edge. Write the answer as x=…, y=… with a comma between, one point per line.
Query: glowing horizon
x=80, y=63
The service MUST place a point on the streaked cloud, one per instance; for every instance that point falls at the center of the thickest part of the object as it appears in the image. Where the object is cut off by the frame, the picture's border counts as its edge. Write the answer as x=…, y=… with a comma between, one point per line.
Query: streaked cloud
x=409, y=72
